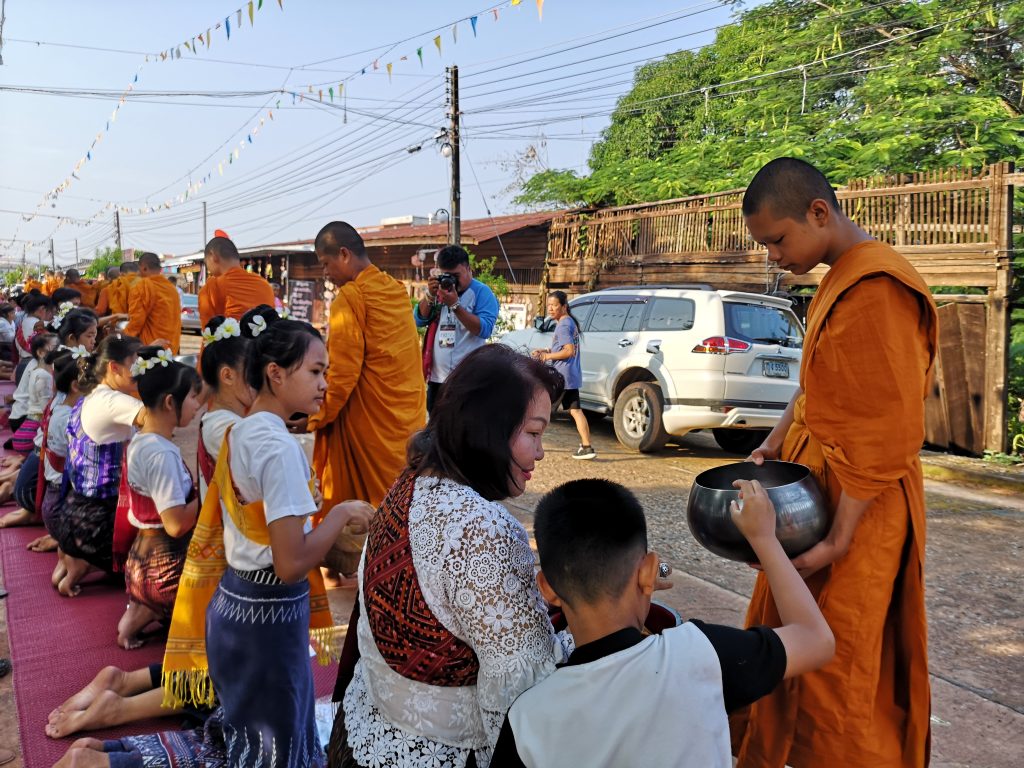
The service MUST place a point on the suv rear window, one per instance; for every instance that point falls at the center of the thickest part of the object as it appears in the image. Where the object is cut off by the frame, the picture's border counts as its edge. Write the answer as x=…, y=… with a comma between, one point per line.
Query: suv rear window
x=670, y=315
x=761, y=324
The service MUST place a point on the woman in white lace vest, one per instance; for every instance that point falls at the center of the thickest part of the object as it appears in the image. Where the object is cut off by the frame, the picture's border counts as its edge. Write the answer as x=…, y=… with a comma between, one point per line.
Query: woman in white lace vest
x=451, y=627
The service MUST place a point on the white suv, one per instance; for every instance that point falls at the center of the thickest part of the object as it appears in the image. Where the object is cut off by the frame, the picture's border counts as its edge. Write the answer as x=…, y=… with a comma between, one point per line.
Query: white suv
x=665, y=360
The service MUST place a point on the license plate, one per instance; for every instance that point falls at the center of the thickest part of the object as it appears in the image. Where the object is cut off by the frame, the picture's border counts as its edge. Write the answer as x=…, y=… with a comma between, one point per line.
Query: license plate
x=775, y=369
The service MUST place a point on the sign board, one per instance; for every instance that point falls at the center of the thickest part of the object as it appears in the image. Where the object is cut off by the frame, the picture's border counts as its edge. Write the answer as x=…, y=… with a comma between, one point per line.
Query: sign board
x=512, y=316
x=301, y=295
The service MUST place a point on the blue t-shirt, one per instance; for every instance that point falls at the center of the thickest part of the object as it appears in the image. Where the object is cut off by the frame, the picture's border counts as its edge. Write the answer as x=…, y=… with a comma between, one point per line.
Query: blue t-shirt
x=566, y=332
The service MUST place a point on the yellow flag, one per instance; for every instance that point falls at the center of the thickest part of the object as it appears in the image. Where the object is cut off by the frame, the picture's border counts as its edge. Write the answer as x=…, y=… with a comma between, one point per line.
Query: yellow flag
x=250, y=13
x=540, y=9
x=437, y=42
x=389, y=71
x=516, y=2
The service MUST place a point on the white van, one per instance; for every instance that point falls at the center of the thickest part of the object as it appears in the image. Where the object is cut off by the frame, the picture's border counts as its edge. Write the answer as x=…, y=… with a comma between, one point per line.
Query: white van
x=665, y=360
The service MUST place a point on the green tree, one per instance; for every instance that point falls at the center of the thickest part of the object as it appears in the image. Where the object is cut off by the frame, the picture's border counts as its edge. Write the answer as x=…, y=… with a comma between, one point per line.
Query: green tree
x=105, y=259
x=857, y=87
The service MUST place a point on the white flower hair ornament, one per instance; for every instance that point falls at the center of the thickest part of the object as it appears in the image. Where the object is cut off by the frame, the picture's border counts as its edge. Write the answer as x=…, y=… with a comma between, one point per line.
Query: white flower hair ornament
x=208, y=336
x=257, y=326
x=164, y=357
x=79, y=352
x=284, y=314
x=226, y=330
x=62, y=312
x=141, y=365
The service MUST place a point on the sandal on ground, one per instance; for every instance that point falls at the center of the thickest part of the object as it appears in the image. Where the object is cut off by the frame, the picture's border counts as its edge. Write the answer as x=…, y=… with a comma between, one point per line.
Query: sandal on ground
x=7, y=756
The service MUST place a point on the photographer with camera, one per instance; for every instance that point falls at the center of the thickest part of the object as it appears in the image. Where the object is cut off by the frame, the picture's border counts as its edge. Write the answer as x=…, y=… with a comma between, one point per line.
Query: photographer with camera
x=459, y=313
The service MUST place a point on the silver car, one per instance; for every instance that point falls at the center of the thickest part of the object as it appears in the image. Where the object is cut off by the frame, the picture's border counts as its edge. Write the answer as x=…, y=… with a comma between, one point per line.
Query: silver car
x=190, y=314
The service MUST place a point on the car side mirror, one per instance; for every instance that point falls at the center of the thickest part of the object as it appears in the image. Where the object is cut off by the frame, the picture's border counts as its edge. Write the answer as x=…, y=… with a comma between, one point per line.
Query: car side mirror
x=543, y=324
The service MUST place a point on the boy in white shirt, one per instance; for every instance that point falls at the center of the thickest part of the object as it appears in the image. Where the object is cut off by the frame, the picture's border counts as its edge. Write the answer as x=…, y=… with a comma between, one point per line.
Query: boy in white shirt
x=667, y=696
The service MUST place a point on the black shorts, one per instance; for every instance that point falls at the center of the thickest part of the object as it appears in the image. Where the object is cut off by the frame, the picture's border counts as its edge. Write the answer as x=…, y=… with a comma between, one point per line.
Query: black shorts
x=570, y=399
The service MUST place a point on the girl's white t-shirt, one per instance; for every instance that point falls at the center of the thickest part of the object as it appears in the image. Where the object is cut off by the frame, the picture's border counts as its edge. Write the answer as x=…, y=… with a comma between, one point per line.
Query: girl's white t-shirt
x=214, y=424
x=57, y=438
x=267, y=465
x=6, y=331
x=40, y=390
x=108, y=416
x=28, y=324
x=155, y=469
x=19, y=408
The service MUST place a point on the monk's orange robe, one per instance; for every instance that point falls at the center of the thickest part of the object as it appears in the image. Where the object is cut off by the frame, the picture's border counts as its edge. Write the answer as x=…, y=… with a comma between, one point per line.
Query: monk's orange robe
x=233, y=294
x=154, y=308
x=88, y=290
x=117, y=293
x=859, y=425
x=51, y=284
x=33, y=285
x=376, y=398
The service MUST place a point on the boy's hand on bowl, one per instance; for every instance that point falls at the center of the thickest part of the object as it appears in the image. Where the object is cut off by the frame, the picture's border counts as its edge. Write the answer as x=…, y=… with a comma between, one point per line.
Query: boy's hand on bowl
x=754, y=513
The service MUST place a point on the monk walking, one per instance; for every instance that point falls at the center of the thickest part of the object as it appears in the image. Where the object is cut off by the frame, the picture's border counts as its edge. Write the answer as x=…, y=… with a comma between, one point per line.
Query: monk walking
x=51, y=282
x=230, y=290
x=154, y=307
x=118, y=290
x=103, y=300
x=89, y=292
x=375, y=396
x=857, y=421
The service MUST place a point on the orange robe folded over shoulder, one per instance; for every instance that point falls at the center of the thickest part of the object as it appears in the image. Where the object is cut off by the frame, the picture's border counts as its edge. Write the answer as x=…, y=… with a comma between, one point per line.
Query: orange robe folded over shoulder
x=859, y=425
x=233, y=294
x=117, y=293
x=376, y=398
x=90, y=292
x=154, y=308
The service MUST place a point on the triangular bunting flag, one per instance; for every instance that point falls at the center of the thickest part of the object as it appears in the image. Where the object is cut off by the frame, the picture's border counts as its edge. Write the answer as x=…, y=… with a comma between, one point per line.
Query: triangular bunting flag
x=472, y=23
x=437, y=42
x=227, y=26
x=389, y=71
x=238, y=16
x=376, y=65
x=251, y=11
x=331, y=92
x=419, y=53
x=189, y=47
x=321, y=94
x=540, y=9
x=259, y=5
x=516, y=2
x=280, y=4
x=455, y=33
x=208, y=38
x=270, y=112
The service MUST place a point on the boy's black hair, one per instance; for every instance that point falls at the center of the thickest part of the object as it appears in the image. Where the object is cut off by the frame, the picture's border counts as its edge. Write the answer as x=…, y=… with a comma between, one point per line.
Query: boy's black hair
x=65, y=294
x=174, y=379
x=788, y=187
x=284, y=342
x=590, y=535
x=451, y=256
x=66, y=369
x=230, y=352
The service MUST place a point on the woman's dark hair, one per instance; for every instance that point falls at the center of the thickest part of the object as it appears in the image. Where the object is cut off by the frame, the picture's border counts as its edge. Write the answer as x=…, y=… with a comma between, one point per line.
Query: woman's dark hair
x=113, y=349
x=231, y=352
x=35, y=303
x=66, y=369
x=6, y=309
x=563, y=299
x=175, y=379
x=284, y=342
x=40, y=341
x=65, y=294
x=481, y=407
x=75, y=323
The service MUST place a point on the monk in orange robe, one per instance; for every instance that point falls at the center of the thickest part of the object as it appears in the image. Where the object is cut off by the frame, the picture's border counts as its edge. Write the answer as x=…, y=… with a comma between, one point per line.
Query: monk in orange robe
x=31, y=284
x=154, y=306
x=103, y=299
x=73, y=279
x=51, y=282
x=117, y=292
x=230, y=290
x=376, y=398
x=857, y=421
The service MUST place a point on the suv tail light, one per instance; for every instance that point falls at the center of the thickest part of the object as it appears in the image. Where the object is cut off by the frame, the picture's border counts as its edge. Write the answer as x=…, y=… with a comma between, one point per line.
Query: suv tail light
x=722, y=345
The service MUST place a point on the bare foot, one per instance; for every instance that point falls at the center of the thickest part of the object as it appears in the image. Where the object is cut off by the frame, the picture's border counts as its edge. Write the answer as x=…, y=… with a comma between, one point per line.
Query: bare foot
x=335, y=580
x=43, y=544
x=19, y=517
x=76, y=569
x=107, y=679
x=59, y=572
x=102, y=712
x=85, y=753
x=134, y=620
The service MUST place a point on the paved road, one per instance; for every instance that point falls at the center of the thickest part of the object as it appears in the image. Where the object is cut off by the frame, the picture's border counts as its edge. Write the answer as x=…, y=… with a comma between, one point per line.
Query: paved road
x=974, y=574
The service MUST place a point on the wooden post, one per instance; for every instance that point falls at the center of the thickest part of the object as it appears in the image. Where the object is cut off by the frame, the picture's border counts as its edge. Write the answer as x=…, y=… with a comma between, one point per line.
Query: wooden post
x=998, y=309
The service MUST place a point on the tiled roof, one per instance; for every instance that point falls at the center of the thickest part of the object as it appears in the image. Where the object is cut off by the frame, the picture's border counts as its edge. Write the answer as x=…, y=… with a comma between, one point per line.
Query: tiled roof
x=473, y=230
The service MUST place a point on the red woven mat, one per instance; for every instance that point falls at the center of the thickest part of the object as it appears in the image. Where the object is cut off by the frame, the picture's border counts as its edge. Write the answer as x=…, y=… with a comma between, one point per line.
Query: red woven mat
x=59, y=644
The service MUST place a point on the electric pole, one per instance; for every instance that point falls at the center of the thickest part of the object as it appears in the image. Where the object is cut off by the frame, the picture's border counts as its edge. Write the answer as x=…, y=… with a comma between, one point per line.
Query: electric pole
x=53, y=256
x=205, y=241
x=117, y=227
x=455, y=219
x=76, y=252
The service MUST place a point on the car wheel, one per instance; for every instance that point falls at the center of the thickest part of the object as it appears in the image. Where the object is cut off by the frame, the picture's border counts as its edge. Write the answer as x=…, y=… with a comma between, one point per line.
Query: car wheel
x=637, y=417
x=739, y=441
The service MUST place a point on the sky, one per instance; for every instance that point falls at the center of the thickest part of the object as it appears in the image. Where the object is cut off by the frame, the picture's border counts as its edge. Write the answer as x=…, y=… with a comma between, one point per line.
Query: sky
x=201, y=123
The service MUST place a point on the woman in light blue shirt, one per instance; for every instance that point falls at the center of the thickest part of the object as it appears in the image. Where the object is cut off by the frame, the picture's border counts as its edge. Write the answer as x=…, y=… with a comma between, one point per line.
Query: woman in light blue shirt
x=564, y=356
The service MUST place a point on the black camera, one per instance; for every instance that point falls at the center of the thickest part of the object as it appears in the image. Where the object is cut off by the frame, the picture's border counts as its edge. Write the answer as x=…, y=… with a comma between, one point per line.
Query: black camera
x=448, y=281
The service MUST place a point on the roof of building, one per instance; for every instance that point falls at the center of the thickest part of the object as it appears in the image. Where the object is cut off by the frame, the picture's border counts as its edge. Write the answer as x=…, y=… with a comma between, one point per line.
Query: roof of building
x=474, y=231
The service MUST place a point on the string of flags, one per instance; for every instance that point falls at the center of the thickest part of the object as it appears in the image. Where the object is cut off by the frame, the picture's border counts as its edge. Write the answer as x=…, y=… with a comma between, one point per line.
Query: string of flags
x=204, y=39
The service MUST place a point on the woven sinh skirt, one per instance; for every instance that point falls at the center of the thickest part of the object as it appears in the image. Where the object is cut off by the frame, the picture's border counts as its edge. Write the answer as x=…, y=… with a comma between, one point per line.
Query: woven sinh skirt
x=85, y=529
x=52, y=498
x=153, y=570
x=257, y=642
x=196, y=748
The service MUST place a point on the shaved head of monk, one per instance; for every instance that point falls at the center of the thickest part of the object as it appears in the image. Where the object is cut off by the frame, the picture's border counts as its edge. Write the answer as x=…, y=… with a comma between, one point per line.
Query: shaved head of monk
x=341, y=252
x=149, y=264
x=113, y=273
x=792, y=210
x=220, y=255
x=72, y=276
x=129, y=266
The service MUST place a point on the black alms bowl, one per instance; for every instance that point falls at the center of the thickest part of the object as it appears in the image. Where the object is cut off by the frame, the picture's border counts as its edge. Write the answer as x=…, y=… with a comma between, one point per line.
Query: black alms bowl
x=802, y=518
